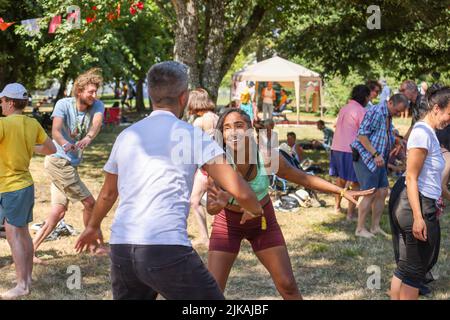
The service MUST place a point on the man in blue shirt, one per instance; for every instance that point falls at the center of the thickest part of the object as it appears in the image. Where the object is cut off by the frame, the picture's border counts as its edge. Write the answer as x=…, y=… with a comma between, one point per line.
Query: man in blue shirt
x=76, y=122
x=371, y=152
x=327, y=137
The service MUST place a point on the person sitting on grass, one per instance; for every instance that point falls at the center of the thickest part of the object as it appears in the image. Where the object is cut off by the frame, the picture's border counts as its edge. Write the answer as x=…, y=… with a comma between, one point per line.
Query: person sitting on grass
x=296, y=148
x=36, y=112
x=278, y=110
x=20, y=135
x=324, y=144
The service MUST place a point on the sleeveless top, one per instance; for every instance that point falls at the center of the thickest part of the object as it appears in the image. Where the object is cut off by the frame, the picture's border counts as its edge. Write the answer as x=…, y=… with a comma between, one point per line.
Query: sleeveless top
x=260, y=184
x=268, y=96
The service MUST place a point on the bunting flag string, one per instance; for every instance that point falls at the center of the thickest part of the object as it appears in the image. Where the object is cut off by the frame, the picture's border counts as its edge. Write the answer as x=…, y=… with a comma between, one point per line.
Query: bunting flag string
x=33, y=28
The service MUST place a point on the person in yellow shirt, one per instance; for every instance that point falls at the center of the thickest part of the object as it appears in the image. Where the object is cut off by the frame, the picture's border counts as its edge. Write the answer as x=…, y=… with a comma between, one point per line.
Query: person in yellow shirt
x=19, y=137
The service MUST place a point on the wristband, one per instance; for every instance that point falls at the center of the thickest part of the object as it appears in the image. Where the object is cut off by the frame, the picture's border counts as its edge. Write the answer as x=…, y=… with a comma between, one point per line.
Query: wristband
x=376, y=154
x=65, y=144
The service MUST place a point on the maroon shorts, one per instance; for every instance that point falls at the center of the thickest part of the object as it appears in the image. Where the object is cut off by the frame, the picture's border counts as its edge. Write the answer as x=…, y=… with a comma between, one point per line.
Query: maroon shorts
x=227, y=232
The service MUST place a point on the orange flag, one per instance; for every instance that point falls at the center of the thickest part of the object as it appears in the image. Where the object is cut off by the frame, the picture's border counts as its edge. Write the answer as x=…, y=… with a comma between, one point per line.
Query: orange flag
x=5, y=25
x=114, y=15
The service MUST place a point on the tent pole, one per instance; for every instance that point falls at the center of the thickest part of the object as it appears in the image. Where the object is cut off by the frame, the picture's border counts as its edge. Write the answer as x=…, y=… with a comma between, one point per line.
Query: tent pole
x=297, y=98
x=320, y=98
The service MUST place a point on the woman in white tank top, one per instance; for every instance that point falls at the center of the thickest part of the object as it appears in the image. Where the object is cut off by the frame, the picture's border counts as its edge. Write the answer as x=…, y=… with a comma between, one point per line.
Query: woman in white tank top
x=268, y=98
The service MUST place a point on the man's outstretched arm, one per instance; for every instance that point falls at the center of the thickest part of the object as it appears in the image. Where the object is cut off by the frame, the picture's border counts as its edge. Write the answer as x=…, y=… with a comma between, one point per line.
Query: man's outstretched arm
x=106, y=199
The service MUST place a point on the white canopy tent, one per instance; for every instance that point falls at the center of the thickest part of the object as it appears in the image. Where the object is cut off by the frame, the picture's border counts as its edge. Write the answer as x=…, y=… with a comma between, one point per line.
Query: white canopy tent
x=280, y=70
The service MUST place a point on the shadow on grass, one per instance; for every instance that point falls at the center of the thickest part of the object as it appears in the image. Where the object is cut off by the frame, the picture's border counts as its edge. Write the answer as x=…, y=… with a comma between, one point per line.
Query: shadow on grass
x=57, y=279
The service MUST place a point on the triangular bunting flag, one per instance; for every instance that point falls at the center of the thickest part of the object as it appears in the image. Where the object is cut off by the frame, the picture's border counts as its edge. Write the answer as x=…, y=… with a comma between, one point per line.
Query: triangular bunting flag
x=31, y=26
x=5, y=25
x=54, y=24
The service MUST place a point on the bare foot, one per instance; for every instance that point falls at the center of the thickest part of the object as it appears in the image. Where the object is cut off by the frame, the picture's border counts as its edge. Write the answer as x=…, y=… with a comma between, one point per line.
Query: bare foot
x=339, y=210
x=201, y=242
x=352, y=218
x=364, y=234
x=380, y=231
x=15, y=293
x=36, y=260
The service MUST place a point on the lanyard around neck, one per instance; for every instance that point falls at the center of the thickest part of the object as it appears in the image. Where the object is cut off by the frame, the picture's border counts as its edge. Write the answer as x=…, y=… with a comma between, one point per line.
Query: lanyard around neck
x=80, y=127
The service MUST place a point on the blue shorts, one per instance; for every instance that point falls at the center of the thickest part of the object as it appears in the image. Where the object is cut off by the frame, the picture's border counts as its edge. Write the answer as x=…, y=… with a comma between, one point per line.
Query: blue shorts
x=16, y=207
x=368, y=179
x=341, y=166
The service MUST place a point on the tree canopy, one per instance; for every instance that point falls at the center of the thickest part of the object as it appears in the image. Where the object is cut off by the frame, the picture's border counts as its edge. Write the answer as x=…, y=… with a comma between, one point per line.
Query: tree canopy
x=328, y=36
x=413, y=38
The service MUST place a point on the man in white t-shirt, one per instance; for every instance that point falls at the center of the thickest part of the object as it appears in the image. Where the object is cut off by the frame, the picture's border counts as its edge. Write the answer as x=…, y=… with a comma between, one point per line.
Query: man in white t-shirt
x=151, y=169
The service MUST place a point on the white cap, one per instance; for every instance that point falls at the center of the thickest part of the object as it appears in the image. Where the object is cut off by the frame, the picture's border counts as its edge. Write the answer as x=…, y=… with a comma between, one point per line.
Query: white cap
x=14, y=91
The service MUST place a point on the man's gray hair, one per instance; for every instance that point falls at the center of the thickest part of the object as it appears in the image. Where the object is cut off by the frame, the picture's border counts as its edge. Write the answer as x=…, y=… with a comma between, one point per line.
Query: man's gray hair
x=399, y=98
x=410, y=85
x=167, y=81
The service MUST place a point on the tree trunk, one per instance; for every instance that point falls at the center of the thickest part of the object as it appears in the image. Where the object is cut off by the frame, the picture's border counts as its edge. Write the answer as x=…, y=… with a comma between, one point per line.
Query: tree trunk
x=116, y=88
x=242, y=38
x=260, y=50
x=214, y=48
x=186, y=40
x=214, y=53
x=62, y=88
x=140, y=106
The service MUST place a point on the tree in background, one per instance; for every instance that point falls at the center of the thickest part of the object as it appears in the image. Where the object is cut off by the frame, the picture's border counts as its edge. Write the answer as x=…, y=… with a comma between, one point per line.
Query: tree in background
x=17, y=61
x=123, y=44
x=209, y=34
x=333, y=35
x=145, y=41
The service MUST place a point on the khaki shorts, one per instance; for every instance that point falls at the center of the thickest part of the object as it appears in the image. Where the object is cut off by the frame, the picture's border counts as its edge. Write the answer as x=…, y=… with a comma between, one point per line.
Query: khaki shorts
x=66, y=183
